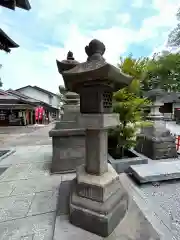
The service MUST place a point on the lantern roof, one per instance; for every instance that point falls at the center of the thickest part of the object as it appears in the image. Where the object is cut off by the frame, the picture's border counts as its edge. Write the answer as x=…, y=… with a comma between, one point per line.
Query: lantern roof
x=95, y=69
x=67, y=64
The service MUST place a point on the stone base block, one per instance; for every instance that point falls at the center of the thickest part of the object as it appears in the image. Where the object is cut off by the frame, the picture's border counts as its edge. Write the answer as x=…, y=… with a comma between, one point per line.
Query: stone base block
x=98, y=188
x=96, y=217
x=68, y=150
x=156, y=147
x=161, y=171
x=98, y=121
x=122, y=164
x=63, y=125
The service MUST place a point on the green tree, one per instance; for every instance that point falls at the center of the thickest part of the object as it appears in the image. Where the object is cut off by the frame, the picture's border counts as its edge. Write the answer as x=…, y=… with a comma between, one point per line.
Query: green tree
x=163, y=72
x=174, y=36
x=137, y=69
x=130, y=110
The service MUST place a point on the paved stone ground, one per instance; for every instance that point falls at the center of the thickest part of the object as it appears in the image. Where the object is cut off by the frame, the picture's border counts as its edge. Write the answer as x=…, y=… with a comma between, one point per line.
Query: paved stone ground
x=29, y=195
x=25, y=136
x=162, y=201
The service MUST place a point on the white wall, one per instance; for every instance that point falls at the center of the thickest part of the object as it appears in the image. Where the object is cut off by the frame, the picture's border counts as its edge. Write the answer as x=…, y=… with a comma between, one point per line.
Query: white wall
x=41, y=96
x=55, y=101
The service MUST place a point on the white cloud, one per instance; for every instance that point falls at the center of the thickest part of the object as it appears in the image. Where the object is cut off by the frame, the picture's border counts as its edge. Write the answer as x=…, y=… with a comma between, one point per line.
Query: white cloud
x=167, y=16
x=79, y=8
x=23, y=66
x=115, y=39
x=38, y=67
x=164, y=19
x=123, y=18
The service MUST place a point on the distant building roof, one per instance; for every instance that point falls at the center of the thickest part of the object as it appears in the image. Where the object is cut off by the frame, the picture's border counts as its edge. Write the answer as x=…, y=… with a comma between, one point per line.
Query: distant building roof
x=165, y=97
x=171, y=97
x=22, y=96
x=24, y=4
x=6, y=96
x=6, y=42
x=28, y=99
x=39, y=89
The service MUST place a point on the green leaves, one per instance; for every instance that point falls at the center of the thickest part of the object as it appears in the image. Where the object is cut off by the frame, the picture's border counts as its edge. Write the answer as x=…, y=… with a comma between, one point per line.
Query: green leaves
x=130, y=109
x=136, y=68
x=164, y=72
x=129, y=106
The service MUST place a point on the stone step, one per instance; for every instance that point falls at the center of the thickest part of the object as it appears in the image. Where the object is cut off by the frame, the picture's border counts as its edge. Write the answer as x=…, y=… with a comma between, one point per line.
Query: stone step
x=155, y=172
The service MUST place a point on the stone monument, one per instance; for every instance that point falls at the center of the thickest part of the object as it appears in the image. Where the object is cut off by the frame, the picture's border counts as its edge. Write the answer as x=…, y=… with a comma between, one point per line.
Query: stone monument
x=97, y=200
x=156, y=97
x=71, y=106
x=68, y=139
x=156, y=141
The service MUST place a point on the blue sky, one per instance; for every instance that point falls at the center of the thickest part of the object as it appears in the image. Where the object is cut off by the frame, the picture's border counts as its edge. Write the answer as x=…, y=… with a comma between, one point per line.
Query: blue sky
x=47, y=32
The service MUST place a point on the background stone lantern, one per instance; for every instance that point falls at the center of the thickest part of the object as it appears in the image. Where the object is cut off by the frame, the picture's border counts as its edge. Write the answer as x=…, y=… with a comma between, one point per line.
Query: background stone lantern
x=97, y=201
x=70, y=106
x=155, y=95
x=68, y=139
x=156, y=141
x=71, y=99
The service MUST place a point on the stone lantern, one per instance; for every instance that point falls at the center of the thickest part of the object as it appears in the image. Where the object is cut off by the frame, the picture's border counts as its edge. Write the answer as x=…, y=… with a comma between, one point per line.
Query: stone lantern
x=97, y=201
x=71, y=106
x=155, y=95
x=156, y=141
x=71, y=99
x=68, y=139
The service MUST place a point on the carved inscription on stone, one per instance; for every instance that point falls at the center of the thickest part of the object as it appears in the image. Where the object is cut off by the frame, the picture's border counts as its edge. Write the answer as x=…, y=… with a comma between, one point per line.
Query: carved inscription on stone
x=90, y=192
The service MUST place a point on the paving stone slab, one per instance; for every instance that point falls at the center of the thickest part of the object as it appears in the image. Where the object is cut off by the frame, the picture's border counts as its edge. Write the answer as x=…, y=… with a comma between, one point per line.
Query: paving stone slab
x=156, y=172
x=66, y=231
x=28, y=237
x=150, y=208
x=4, y=153
x=27, y=157
x=40, y=227
x=63, y=198
x=28, y=186
x=14, y=207
x=6, y=188
x=135, y=226
x=165, y=199
x=26, y=171
x=26, y=148
x=43, y=202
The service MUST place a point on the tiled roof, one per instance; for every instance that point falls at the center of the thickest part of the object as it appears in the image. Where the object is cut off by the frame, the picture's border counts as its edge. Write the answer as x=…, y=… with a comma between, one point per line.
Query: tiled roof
x=24, y=4
x=6, y=42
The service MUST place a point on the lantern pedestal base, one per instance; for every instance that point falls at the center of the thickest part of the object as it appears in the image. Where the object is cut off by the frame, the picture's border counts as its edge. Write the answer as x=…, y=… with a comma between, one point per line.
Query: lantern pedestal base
x=98, y=206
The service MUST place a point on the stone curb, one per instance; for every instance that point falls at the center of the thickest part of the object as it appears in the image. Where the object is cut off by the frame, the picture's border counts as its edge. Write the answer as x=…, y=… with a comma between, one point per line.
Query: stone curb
x=11, y=151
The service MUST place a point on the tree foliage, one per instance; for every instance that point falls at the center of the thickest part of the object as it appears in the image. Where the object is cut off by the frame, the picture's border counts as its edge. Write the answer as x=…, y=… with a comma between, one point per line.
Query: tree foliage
x=163, y=72
x=160, y=71
x=174, y=36
x=136, y=68
x=130, y=109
